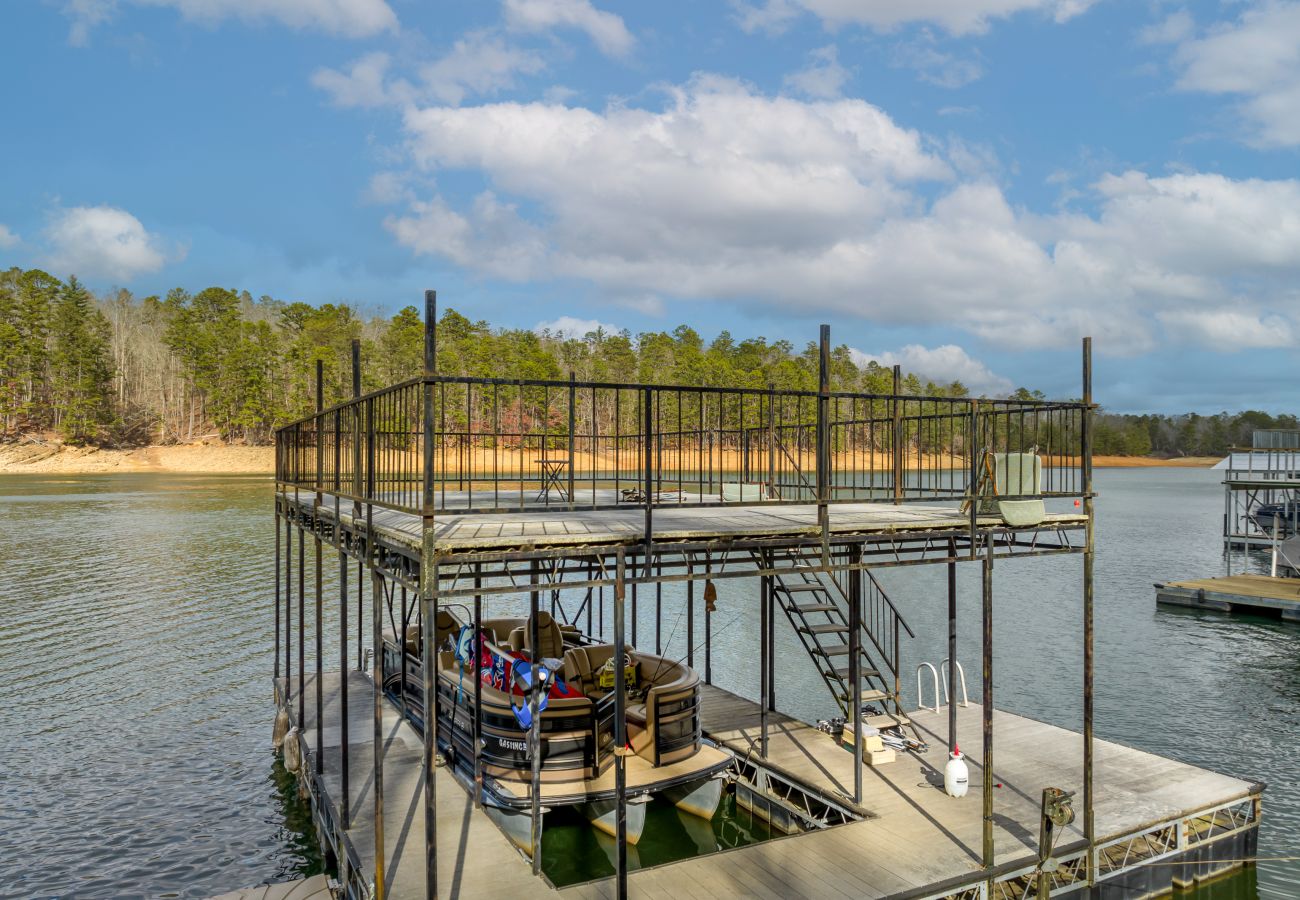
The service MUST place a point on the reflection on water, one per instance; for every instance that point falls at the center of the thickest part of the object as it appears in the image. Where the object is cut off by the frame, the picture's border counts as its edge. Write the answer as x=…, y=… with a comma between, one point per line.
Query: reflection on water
x=136, y=630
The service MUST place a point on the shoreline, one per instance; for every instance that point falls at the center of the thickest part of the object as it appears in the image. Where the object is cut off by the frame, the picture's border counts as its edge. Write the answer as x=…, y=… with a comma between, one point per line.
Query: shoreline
x=220, y=459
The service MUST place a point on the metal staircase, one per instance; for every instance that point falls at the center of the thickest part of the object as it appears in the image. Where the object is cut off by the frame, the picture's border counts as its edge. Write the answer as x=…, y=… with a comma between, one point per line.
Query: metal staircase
x=817, y=606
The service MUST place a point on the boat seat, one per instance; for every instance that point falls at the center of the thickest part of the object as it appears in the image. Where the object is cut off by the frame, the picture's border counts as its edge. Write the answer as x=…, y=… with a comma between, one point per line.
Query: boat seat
x=581, y=664
x=549, y=636
x=636, y=714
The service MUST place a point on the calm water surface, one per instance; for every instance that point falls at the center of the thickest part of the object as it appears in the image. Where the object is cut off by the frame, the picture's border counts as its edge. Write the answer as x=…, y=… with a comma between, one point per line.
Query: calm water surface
x=135, y=657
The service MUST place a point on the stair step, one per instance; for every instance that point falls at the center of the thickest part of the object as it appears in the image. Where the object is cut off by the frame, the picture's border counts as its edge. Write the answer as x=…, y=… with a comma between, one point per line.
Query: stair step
x=796, y=588
x=843, y=672
x=869, y=695
x=828, y=628
x=815, y=607
x=887, y=720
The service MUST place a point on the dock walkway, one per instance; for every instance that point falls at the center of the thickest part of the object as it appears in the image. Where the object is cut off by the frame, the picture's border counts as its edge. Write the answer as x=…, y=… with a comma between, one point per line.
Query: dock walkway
x=1259, y=594
x=915, y=840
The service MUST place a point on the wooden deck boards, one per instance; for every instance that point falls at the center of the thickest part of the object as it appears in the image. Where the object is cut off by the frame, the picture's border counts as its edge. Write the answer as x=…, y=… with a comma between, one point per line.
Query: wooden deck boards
x=918, y=834
x=915, y=834
x=475, y=859
x=1235, y=593
x=559, y=527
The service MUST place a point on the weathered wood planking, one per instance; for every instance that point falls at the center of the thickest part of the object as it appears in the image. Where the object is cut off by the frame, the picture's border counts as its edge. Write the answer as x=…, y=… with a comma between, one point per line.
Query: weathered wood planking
x=920, y=834
x=1235, y=593
x=559, y=527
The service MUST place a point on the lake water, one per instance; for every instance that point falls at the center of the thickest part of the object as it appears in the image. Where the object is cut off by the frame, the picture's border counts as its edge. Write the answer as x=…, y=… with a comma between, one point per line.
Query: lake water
x=135, y=662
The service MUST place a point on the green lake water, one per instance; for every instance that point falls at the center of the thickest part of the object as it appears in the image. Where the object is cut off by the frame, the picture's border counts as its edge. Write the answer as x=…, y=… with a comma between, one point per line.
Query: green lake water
x=136, y=630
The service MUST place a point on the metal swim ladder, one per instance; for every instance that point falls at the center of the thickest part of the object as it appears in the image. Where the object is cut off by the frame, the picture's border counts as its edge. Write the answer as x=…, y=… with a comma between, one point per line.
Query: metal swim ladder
x=934, y=675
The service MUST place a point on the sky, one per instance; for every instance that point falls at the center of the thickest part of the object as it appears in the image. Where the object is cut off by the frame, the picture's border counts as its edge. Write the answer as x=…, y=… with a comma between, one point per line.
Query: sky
x=965, y=187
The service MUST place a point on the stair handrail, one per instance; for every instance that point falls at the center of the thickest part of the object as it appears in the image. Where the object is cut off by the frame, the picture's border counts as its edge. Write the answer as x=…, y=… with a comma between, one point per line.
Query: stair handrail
x=961, y=673
x=920, y=693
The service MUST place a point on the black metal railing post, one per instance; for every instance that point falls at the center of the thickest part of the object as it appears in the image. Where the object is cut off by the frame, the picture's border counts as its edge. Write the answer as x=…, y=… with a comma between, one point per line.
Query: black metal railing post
x=823, y=439
x=896, y=450
x=573, y=410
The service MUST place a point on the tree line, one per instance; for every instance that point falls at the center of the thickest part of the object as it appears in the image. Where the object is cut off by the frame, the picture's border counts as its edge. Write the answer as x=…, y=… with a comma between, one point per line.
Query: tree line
x=220, y=364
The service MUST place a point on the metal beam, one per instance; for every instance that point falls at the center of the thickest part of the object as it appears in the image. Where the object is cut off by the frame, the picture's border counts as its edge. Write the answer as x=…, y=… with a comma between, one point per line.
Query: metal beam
x=429, y=593
x=987, y=641
x=620, y=735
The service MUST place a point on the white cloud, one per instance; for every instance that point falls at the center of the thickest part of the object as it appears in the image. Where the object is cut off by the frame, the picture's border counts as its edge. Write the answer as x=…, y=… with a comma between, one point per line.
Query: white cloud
x=365, y=83
x=1257, y=58
x=1173, y=29
x=728, y=194
x=481, y=62
x=606, y=30
x=942, y=365
x=570, y=327
x=823, y=77
x=101, y=241
x=8, y=238
x=346, y=18
x=772, y=17
x=954, y=16
x=1227, y=329
x=934, y=65
x=478, y=63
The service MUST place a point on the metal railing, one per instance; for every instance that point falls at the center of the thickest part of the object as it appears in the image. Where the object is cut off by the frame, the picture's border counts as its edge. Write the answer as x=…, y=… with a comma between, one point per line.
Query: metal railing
x=505, y=445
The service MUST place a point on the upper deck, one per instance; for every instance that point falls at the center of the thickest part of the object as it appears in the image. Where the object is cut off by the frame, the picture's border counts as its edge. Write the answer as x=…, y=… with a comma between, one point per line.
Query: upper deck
x=503, y=464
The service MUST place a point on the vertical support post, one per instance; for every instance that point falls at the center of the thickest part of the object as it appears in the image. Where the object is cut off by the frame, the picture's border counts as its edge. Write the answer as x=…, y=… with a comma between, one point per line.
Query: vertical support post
x=659, y=613
x=478, y=688
x=710, y=591
x=972, y=492
x=764, y=591
x=302, y=624
x=620, y=733
x=823, y=438
x=854, y=699
x=429, y=592
x=690, y=623
x=535, y=732
x=345, y=819
x=573, y=407
x=896, y=451
x=952, y=646
x=276, y=677
x=987, y=694
x=288, y=608
x=377, y=660
x=1089, y=551
x=319, y=764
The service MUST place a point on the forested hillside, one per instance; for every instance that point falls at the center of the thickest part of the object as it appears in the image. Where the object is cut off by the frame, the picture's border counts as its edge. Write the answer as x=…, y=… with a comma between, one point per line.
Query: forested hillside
x=219, y=364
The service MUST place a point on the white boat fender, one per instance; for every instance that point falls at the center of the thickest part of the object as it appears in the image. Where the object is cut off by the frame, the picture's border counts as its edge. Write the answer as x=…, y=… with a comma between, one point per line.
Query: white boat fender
x=292, y=751
x=956, y=775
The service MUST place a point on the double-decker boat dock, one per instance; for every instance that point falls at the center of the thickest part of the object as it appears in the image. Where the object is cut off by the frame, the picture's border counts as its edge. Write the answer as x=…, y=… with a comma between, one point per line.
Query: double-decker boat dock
x=440, y=494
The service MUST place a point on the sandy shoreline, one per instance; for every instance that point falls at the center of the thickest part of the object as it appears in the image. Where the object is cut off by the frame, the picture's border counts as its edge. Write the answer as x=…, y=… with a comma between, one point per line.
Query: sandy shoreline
x=218, y=459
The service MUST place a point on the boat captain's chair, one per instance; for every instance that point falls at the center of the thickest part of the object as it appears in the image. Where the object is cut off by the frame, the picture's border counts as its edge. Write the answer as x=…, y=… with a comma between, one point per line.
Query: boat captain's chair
x=549, y=637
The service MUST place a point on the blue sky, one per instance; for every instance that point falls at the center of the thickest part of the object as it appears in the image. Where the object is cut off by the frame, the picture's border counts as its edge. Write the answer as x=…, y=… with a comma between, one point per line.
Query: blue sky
x=962, y=186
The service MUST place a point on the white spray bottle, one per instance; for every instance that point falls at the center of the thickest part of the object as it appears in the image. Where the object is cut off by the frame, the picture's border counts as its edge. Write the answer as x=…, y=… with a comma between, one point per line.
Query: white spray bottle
x=956, y=776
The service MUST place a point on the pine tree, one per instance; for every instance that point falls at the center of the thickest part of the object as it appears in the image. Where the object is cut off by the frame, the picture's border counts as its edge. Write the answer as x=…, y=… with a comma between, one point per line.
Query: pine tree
x=81, y=369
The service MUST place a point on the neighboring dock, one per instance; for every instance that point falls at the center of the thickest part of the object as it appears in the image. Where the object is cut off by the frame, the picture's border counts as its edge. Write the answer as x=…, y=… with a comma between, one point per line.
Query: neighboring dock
x=1256, y=594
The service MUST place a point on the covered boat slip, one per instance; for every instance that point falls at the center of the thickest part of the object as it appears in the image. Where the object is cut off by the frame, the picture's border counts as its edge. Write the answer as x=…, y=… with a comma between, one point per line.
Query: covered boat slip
x=613, y=488
x=914, y=840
